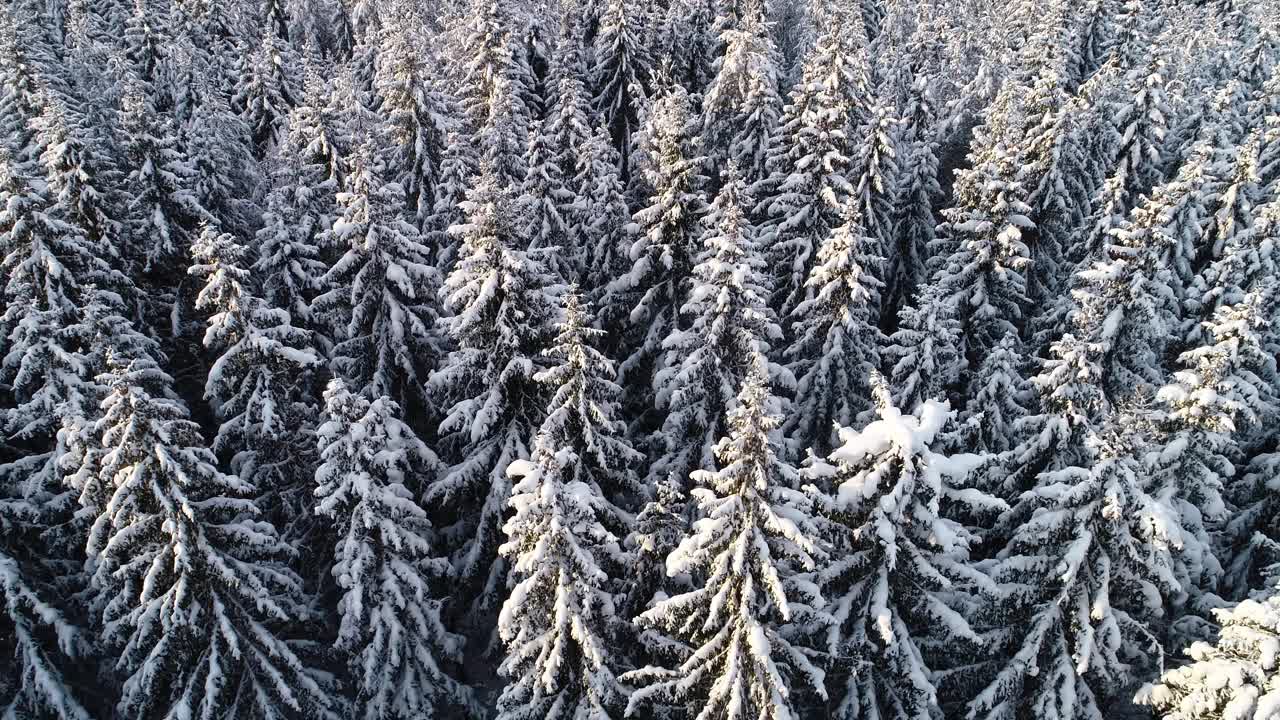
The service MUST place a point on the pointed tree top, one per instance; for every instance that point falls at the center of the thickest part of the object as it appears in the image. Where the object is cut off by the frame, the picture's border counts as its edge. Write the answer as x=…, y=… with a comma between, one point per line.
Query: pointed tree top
x=880, y=390
x=755, y=386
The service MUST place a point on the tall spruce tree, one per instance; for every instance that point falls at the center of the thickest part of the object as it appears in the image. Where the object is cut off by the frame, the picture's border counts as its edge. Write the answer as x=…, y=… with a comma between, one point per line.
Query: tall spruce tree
x=1232, y=677
x=899, y=590
x=380, y=296
x=545, y=200
x=622, y=71
x=36, y=682
x=1124, y=304
x=743, y=105
x=804, y=197
x=729, y=323
x=1084, y=572
x=874, y=173
x=503, y=304
x=923, y=356
x=837, y=340
x=752, y=548
x=258, y=384
x=983, y=276
x=295, y=214
x=419, y=115
x=646, y=300
x=561, y=617
x=266, y=91
x=192, y=591
x=603, y=228
x=43, y=372
x=398, y=650
x=1140, y=124
x=999, y=397
x=918, y=191
x=1220, y=393
x=163, y=207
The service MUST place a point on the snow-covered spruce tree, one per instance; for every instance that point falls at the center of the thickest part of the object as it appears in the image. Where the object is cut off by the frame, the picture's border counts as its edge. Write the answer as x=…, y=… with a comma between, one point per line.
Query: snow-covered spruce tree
x=479, y=35
x=224, y=170
x=1140, y=122
x=739, y=632
x=570, y=127
x=459, y=167
x=874, y=168
x=837, y=339
x=419, y=116
x=341, y=40
x=603, y=224
x=43, y=372
x=918, y=190
x=162, y=207
x=491, y=56
x=584, y=412
x=1174, y=217
x=642, y=159
x=1236, y=167
x=804, y=196
x=1068, y=405
x=380, y=301
x=742, y=105
x=656, y=531
x=1234, y=260
x=213, y=35
x=646, y=299
x=545, y=200
x=83, y=173
x=502, y=300
x=43, y=261
x=622, y=69
x=1130, y=22
x=569, y=114
x=1235, y=375
x=1255, y=540
x=41, y=38
x=386, y=561
x=923, y=355
x=295, y=214
x=1062, y=198
x=1081, y=579
x=983, y=277
x=46, y=371
x=504, y=136
x=685, y=43
x=1124, y=304
x=275, y=16
x=192, y=591
x=836, y=61
x=999, y=397
x=1222, y=391
x=259, y=384
x=314, y=128
x=109, y=338
x=729, y=323
x=20, y=100
x=1234, y=677
x=265, y=93
x=348, y=115
x=901, y=581
x=561, y=619
x=38, y=637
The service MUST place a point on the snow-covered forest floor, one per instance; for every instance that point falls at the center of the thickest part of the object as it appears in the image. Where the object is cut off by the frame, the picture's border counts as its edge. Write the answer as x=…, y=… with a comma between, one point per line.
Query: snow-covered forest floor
x=655, y=359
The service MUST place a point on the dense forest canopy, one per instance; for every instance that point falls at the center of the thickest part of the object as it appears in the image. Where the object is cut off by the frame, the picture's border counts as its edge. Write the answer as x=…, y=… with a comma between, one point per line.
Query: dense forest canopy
x=661, y=359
